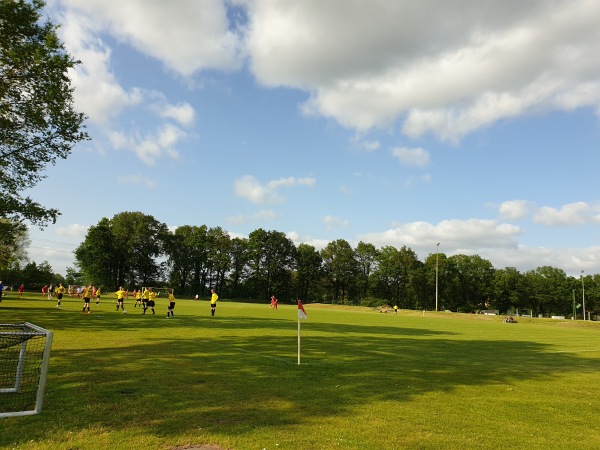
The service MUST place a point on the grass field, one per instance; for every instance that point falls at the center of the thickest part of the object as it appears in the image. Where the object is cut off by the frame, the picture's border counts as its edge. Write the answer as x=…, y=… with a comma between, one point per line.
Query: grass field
x=367, y=380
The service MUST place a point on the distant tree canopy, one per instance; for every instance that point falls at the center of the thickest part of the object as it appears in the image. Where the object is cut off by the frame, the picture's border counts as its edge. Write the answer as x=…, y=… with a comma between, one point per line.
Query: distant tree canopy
x=132, y=249
x=38, y=121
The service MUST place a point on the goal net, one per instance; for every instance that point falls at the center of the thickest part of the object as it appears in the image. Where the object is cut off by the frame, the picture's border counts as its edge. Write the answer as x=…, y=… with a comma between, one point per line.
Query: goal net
x=24, y=359
x=161, y=292
x=75, y=290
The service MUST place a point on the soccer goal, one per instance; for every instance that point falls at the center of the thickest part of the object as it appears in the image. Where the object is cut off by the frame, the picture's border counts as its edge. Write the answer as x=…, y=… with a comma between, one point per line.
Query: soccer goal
x=525, y=312
x=75, y=290
x=24, y=359
x=160, y=291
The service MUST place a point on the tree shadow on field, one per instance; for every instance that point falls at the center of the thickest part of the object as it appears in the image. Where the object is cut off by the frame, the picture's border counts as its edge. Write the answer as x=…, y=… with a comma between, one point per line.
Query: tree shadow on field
x=232, y=383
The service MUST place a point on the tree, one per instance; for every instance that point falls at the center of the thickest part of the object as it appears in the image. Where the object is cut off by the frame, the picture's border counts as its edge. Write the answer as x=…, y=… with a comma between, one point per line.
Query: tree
x=218, y=260
x=548, y=291
x=238, y=254
x=308, y=272
x=340, y=267
x=366, y=256
x=38, y=121
x=471, y=282
x=96, y=256
x=508, y=289
x=123, y=251
x=271, y=259
x=396, y=270
x=13, y=243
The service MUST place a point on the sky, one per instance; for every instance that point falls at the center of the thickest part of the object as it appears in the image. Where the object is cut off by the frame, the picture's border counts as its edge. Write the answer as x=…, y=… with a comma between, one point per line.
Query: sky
x=470, y=123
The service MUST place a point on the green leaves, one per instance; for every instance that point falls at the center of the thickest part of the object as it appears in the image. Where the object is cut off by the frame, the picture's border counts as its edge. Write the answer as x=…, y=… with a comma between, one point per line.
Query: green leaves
x=38, y=122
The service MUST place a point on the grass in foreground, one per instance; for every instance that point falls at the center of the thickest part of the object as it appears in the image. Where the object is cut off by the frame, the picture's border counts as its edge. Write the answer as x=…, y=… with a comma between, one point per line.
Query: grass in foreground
x=367, y=380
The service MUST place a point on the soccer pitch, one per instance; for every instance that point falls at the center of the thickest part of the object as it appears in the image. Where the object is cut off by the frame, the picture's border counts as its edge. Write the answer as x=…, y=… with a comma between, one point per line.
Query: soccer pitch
x=366, y=380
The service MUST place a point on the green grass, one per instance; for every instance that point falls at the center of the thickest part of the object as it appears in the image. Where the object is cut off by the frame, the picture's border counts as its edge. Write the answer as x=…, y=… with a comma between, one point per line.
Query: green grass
x=367, y=380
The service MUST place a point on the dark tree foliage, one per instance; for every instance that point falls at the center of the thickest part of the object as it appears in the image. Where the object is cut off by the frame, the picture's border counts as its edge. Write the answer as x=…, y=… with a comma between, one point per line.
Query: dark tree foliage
x=38, y=121
x=130, y=245
x=123, y=251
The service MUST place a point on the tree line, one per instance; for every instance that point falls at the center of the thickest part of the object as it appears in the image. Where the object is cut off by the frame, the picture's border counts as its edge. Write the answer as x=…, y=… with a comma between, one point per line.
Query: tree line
x=133, y=249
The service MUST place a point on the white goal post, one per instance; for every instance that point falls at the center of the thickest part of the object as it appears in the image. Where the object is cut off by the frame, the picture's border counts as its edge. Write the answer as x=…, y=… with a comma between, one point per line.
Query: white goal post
x=24, y=360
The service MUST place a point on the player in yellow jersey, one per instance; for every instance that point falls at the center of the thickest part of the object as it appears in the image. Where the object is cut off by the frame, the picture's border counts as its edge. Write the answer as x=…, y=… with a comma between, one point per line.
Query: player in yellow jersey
x=213, y=302
x=120, y=294
x=149, y=303
x=60, y=290
x=171, y=306
x=97, y=295
x=88, y=292
x=138, y=298
x=145, y=298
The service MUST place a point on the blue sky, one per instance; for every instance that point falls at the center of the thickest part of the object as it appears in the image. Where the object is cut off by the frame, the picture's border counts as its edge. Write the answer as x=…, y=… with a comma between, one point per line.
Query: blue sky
x=474, y=124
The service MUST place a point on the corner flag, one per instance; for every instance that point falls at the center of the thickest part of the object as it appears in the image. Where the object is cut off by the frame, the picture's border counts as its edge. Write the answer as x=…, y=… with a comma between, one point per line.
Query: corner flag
x=301, y=312
x=301, y=315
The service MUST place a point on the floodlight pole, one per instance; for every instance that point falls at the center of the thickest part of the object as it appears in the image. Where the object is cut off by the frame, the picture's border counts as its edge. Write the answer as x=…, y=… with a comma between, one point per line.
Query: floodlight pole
x=437, y=251
x=583, y=293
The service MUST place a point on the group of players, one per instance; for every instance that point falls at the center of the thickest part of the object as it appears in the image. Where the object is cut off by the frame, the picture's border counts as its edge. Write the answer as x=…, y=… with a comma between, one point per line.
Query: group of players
x=144, y=299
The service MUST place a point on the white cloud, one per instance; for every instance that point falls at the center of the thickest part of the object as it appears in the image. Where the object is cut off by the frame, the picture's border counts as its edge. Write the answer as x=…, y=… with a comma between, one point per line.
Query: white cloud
x=472, y=233
x=298, y=239
x=186, y=38
x=568, y=215
x=334, y=222
x=411, y=156
x=97, y=92
x=73, y=230
x=150, y=148
x=514, y=209
x=183, y=113
x=251, y=189
x=136, y=179
x=465, y=66
x=264, y=215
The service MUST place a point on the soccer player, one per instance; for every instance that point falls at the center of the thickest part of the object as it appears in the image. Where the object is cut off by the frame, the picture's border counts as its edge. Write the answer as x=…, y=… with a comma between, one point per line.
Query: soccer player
x=138, y=297
x=21, y=289
x=88, y=292
x=97, y=295
x=50, y=291
x=213, y=302
x=145, y=298
x=1, y=289
x=150, y=301
x=120, y=295
x=171, y=306
x=60, y=290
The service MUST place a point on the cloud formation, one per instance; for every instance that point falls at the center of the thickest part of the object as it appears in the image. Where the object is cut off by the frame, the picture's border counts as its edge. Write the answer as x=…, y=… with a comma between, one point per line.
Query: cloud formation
x=411, y=156
x=446, y=68
x=252, y=190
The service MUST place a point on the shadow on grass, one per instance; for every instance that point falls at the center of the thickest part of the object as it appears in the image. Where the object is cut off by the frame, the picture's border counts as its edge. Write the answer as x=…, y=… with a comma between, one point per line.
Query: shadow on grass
x=167, y=384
